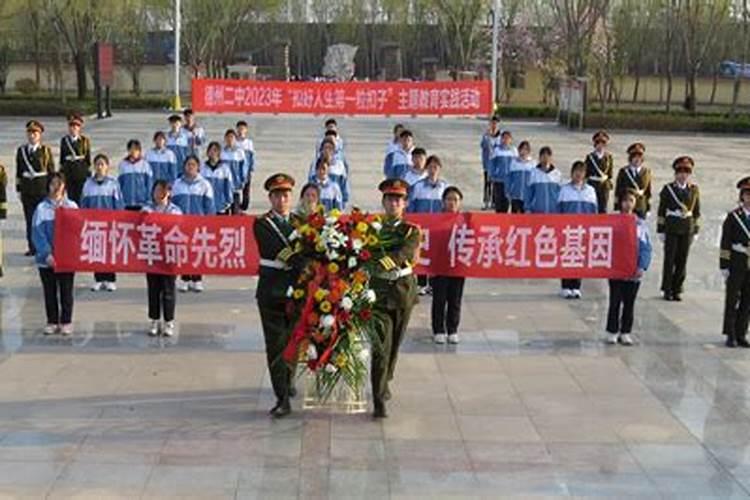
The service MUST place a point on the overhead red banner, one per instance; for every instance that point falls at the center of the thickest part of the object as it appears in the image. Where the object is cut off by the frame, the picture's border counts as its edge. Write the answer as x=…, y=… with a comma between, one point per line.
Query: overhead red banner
x=344, y=98
x=473, y=245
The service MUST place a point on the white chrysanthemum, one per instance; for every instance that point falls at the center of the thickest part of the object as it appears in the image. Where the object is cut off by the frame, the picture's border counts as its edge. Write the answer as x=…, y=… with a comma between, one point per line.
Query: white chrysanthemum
x=363, y=355
x=370, y=295
x=289, y=291
x=352, y=262
x=331, y=368
x=347, y=303
x=357, y=244
x=293, y=235
x=377, y=226
x=312, y=352
x=327, y=321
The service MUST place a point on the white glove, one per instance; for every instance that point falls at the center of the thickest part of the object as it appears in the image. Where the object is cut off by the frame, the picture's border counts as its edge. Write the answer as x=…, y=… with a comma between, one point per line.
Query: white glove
x=725, y=273
x=662, y=237
x=50, y=261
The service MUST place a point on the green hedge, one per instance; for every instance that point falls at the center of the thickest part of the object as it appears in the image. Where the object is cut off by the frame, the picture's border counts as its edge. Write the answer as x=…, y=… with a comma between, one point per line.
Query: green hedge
x=527, y=112
x=669, y=122
x=45, y=105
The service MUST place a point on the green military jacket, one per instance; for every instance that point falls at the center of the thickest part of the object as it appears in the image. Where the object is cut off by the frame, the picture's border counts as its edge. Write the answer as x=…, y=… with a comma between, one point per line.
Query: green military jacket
x=32, y=170
x=641, y=182
x=679, y=209
x=75, y=158
x=735, y=239
x=400, y=293
x=272, y=237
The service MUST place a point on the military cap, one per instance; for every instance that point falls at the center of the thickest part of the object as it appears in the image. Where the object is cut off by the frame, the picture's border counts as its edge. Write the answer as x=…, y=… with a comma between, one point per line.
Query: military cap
x=396, y=187
x=636, y=148
x=174, y=118
x=601, y=135
x=683, y=163
x=32, y=125
x=75, y=118
x=744, y=184
x=279, y=182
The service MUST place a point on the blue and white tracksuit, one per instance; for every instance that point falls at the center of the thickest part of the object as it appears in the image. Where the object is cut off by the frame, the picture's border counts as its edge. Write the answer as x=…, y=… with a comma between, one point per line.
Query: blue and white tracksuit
x=519, y=174
x=196, y=138
x=169, y=209
x=221, y=181
x=543, y=191
x=102, y=194
x=338, y=172
x=574, y=199
x=412, y=176
x=500, y=160
x=246, y=145
x=43, y=228
x=194, y=196
x=136, y=180
x=645, y=249
x=390, y=150
x=426, y=196
x=237, y=162
x=179, y=144
x=163, y=164
x=401, y=162
x=330, y=194
x=487, y=145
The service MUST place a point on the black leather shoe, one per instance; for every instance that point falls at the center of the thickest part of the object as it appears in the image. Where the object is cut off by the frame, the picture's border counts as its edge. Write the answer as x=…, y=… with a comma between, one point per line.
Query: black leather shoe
x=676, y=297
x=276, y=407
x=667, y=296
x=387, y=395
x=379, y=411
x=292, y=392
x=282, y=410
x=730, y=342
x=743, y=343
x=28, y=253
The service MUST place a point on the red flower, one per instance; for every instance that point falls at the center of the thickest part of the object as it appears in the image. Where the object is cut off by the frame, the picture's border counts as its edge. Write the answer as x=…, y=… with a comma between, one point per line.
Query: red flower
x=364, y=255
x=344, y=316
x=365, y=314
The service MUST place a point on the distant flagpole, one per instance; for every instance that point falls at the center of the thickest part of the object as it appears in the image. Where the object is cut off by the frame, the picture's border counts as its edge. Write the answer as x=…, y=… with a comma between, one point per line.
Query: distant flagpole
x=176, y=104
x=495, y=53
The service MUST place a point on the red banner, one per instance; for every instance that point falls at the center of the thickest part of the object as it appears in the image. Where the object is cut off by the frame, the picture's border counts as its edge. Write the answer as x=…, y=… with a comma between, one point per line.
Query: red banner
x=344, y=98
x=473, y=245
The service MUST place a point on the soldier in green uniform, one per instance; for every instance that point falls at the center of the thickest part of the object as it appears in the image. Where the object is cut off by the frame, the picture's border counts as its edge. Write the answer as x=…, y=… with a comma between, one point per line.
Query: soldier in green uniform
x=75, y=157
x=600, y=169
x=279, y=267
x=3, y=207
x=34, y=162
x=677, y=224
x=395, y=287
x=733, y=262
x=635, y=176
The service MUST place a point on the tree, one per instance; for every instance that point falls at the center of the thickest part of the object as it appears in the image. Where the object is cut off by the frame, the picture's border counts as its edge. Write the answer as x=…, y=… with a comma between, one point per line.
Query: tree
x=633, y=22
x=134, y=21
x=4, y=65
x=517, y=44
x=578, y=19
x=461, y=24
x=741, y=12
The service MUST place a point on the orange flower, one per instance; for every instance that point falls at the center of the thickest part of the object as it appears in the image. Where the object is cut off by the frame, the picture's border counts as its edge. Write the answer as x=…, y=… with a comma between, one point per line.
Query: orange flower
x=359, y=277
x=313, y=319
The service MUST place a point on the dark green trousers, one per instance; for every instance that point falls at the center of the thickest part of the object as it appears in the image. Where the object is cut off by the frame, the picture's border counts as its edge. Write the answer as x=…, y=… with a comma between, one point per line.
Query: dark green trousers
x=391, y=327
x=276, y=331
x=676, y=251
x=737, y=305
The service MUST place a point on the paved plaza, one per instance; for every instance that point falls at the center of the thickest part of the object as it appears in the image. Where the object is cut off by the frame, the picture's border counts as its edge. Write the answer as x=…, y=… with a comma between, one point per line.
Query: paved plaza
x=532, y=403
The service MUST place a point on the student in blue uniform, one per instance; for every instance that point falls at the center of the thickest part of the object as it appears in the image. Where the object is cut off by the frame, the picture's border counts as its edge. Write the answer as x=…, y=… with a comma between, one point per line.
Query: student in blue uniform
x=576, y=197
x=195, y=133
x=447, y=291
x=490, y=140
x=391, y=148
x=309, y=200
x=329, y=191
x=135, y=177
x=58, y=287
x=234, y=156
x=426, y=196
x=331, y=125
x=501, y=158
x=401, y=160
x=418, y=169
x=337, y=170
x=162, y=161
x=102, y=192
x=518, y=177
x=161, y=287
x=622, y=293
x=246, y=144
x=219, y=175
x=195, y=196
x=544, y=185
x=178, y=141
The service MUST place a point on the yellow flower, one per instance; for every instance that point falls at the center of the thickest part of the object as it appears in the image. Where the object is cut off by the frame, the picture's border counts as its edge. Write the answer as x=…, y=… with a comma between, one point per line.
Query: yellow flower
x=362, y=227
x=333, y=268
x=325, y=306
x=357, y=288
x=320, y=246
x=320, y=294
x=341, y=360
x=335, y=213
x=372, y=240
x=298, y=294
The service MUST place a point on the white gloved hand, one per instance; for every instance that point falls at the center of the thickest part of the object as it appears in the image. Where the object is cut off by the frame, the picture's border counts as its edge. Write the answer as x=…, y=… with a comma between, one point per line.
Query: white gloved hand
x=725, y=273
x=662, y=237
x=50, y=261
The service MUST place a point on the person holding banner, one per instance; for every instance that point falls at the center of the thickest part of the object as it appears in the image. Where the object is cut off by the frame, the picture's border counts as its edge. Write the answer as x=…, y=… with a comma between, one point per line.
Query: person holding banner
x=219, y=175
x=576, y=197
x=195, y=133
x=395, y=289
x=58, y=287
x=490, y=140
x=34, y=162
x=75, y=157
x=162, y=160
x=178, y=141
x=518, y=176
x=599, y=170
x=102, y=192
x=500, y=160
x=623, y=292
x=734, y=263
x=246, y=145
x=543, y=190
x=635, y=176
x=278, y=271
x=391, y=148
x=195, y=196
x=678, y=224
x=135, y=177
x=161, y=287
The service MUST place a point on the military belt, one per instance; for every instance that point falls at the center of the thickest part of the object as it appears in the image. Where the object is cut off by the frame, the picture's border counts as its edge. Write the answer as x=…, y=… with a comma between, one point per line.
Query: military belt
x=395, y=274
x=274, y=264
x=679, y=213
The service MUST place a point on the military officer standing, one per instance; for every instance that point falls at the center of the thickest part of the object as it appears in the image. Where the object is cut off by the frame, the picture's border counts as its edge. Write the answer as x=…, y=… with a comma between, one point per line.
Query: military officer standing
x=278, y=271
x=635, y=176
x=75, y=158
x=733, y=262
x=677, y=224
x=34, y=162
x=395, y=287
x=600, y=169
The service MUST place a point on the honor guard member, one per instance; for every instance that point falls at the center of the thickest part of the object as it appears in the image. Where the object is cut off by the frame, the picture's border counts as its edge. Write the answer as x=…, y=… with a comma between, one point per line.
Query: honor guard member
x=635, y=176
x=195, y=133
x=278, y=271
x=178, y=141
x=600, y=169
x=395, y=288
x=678, y=223
x=733, y=262
x=3, y=208
x=75, y=157
x=490, y=140
x=34, y=161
